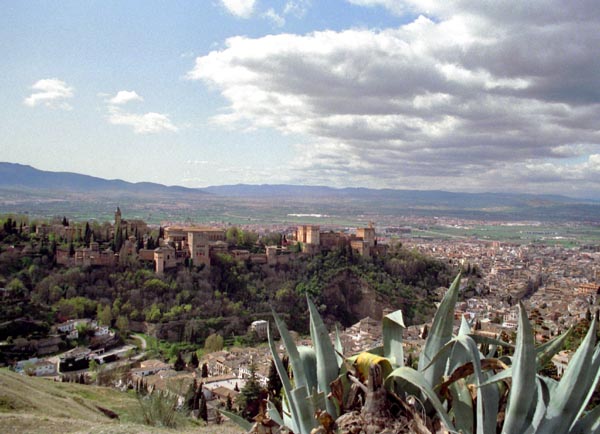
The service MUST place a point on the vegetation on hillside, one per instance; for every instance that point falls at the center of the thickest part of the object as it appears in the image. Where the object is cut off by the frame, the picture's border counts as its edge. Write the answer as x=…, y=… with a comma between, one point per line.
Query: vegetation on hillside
x=191, y=303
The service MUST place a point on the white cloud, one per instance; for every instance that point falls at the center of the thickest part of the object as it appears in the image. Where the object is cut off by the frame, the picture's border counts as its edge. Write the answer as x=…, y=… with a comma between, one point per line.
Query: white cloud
x=274, y=17
x=240, y=8
x=462, y=97
x=125, y=96
x=396, y=6
x=297, y=8
x=148, y=123
x=50, y=92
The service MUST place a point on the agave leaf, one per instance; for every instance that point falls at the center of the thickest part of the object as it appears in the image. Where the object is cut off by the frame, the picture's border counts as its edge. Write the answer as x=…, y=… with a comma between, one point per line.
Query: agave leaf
x=488, y=396
x=544, y=354
x=547, y=350
x=522, y=398
x=237, y=419
x=589, y=423
x=292, y=350
x=418, y=380
x=393, y=329
x=462, y=406
x=306, y=411
x=543, y=398
x=287, y=386
x=440, y=335
x=465, y=327
x=339, y=348
x=573, y=389
x=592, y=389
x=309, y=366
x=490, y=341
x=327, y=363
x=274, y=414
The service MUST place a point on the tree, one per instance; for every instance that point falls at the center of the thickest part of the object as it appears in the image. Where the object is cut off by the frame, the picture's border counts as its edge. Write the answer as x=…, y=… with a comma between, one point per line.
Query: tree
x=203, y=413
x=250, y=396
x=191, y=395
x=118, y=239
x=194, y=362
x=122, y=324
x=104, y=315
x=229, y=403
x=204, y=370
x=213, y=343
x=274, y=382
x=87, y=235
x=179, y=364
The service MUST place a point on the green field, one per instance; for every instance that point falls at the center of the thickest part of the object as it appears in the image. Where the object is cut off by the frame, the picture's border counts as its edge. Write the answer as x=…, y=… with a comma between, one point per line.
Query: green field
x=558, y=234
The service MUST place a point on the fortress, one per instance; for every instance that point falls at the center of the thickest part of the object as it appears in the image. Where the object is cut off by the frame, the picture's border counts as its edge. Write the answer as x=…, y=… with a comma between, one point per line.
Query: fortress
x=312, y=240
x=200, y=245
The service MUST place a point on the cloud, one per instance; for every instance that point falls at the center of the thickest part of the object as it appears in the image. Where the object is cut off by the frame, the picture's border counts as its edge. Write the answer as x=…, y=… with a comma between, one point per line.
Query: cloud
x=274, y=17
x=240, y=8
x=394, y=6
x=147, y=123
x=466, y=96
x=50, y=92
x=125, y=96
x=297, y=8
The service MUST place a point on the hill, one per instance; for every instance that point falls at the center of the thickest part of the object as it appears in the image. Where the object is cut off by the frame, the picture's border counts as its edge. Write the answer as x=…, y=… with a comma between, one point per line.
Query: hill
x=37, y=405
x=23, y=176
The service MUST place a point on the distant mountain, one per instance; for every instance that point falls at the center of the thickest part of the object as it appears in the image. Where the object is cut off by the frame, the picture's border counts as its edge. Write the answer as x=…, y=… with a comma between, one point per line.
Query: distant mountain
x=26, y=189
x=412, y=197
x=22, y=176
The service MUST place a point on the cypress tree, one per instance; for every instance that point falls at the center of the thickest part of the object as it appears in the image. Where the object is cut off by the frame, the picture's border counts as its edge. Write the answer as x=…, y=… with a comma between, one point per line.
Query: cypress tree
x=274, y=382
x=179, y=364
x=203, y=408
x=194, y=362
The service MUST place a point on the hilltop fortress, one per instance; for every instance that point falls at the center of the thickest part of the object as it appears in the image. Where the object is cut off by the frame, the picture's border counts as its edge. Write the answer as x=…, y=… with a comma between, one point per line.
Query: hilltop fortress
x=180, y=245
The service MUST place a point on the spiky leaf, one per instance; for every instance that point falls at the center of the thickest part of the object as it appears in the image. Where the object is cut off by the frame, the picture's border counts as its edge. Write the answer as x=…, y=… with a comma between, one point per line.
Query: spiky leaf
x=393, y=329
x=440, y=335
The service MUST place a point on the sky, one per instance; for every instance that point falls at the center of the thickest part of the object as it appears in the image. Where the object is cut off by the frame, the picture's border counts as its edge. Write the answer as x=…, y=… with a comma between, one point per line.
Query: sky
x=451, y=95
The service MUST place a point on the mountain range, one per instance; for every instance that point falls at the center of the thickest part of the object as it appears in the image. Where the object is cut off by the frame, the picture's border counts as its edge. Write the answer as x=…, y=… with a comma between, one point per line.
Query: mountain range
x=19, y=181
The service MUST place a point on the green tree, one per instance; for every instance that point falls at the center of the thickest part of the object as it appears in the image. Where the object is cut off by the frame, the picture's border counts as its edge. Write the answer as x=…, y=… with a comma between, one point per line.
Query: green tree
x=118, y=238
x=204, y=370
x=250, y=395
x=122, y=324
x=194, y=362
x=179, y=364
x=213, y=343
x=203, y=413
x=274, y=382
x=87, y=234
x=104, y=315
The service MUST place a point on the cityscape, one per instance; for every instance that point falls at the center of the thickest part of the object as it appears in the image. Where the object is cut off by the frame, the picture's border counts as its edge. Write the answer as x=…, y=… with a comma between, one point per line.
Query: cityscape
x=300, y=217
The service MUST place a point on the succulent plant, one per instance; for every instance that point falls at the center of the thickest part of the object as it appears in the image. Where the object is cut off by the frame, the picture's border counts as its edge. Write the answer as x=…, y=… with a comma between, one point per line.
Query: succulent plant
x=457, y=386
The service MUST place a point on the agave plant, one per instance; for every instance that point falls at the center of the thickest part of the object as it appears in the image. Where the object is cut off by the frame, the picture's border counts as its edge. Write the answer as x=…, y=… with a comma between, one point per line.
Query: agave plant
x=458, y=386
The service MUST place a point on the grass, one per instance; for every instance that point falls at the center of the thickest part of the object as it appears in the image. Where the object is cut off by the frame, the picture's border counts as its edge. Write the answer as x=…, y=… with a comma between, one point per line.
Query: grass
x=37, y=405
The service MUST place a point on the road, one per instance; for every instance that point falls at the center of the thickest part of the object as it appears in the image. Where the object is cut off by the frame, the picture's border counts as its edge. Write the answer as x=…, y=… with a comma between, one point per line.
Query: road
x=141, y=339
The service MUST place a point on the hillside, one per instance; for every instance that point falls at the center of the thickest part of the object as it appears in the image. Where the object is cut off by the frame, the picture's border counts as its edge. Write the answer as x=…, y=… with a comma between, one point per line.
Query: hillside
x=22, y=176
x=36, y=405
